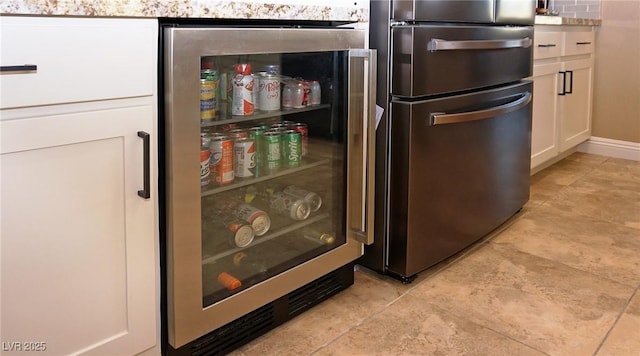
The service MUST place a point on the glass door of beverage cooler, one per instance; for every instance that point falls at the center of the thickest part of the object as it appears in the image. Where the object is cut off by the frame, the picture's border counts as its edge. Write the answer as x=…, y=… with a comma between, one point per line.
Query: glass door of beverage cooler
x=279, y=121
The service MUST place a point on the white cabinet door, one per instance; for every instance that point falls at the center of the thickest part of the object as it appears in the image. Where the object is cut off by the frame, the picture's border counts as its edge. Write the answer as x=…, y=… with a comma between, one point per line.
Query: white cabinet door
x=77, y=242
x=575, y=105
x=544, y=130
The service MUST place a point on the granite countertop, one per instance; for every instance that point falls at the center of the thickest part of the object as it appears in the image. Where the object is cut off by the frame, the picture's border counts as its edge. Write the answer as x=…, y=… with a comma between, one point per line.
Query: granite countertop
x=329, y=10
x=566, y=21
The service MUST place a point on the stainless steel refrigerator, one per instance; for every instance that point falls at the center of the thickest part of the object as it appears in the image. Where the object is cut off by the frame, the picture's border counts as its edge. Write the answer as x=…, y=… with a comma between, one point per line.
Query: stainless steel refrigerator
x=266, y=171
x=453, y=145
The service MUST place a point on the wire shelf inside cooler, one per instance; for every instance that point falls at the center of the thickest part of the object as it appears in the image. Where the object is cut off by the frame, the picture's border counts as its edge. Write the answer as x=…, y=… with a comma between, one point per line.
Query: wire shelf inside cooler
x=282, y=251
x=259, y=115
x=262, y=239
x=307, y=163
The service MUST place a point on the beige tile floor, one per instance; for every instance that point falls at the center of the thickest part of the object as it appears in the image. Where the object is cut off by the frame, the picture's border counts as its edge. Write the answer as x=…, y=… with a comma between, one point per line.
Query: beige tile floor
x=562, y=278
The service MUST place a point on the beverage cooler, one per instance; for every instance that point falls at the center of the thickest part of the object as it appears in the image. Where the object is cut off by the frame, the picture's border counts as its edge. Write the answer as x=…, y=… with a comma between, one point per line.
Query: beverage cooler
x=267, y=169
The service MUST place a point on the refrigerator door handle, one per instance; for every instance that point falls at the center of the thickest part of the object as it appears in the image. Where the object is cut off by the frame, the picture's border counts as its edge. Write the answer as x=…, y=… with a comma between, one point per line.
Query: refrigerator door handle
x=437, y=44
x=443, y=118
x=361, y=144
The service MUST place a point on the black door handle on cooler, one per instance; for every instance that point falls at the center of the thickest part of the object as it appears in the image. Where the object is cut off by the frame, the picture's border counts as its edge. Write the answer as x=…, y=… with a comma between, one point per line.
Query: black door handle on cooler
x=146, y=192
x=19, y=68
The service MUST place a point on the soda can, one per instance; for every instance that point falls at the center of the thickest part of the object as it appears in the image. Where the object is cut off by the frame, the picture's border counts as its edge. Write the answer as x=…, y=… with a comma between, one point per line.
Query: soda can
x=272, y=68
x=229, y=127
x=298, y=95
x=303, y=129
x=207, y=99
x=292, y=148
x=259, y=219
x=272, y=151
x=238, y=133
x=314, y=200
x=243, y=103
x=315, y=95
x=205, y=139
x=244, y=155
x=257, y=134
x=205, y=172
x=319, y=236
x=239, y=234
x=306, y=90
x=287, y=205
x=268, y=92
x=221, y=163
x=287, y=95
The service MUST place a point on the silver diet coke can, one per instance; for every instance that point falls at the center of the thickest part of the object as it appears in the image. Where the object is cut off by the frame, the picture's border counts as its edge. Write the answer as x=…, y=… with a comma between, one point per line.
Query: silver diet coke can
x=269, y=92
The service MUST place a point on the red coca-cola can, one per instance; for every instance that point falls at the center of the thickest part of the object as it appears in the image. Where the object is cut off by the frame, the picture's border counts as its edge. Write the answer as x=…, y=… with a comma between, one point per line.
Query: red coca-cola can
x=303, y=129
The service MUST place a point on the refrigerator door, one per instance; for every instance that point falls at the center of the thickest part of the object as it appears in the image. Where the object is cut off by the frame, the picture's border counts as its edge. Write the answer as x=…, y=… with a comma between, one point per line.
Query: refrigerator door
x=465, y=11
x=515, y=12
x=430, y=60
x=509, y=12
x=252, y=219
x=459, y=169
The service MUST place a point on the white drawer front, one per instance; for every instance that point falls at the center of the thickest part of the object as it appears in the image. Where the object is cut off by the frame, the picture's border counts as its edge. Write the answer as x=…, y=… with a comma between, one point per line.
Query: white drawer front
x=77, y=59
x=578, y=43
x=547, y=45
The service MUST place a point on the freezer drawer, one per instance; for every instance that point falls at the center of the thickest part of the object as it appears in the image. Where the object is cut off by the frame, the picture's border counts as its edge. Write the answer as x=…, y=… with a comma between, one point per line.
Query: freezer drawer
x=430, y=60
x=459, y=168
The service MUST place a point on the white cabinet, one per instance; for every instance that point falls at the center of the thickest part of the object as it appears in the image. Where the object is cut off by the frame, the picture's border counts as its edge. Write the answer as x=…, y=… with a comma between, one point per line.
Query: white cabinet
x=544, y=128
x=79, y=247
x=563, y=82
x=575, y=104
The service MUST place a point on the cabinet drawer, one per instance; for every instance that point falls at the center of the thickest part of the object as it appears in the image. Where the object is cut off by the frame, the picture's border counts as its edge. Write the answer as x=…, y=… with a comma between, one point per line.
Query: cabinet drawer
x=77, y=59
x=578, y=43
x=547, y=44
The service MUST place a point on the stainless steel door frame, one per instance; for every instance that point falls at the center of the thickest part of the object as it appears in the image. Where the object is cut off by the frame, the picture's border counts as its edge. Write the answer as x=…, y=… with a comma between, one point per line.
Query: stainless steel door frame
x=469, y=176
x=187, y=319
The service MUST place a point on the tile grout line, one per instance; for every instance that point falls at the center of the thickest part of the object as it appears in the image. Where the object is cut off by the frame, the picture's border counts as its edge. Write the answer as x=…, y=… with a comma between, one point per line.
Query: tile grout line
x=626, y=306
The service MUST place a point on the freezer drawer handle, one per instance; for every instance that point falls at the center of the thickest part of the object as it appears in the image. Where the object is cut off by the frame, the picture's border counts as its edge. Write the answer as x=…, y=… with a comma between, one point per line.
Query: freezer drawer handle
x=146, y=192
x=437, y=44
x=444, y=118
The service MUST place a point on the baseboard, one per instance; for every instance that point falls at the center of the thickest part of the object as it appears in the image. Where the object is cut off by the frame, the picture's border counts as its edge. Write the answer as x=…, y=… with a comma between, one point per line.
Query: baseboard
x=611, y=148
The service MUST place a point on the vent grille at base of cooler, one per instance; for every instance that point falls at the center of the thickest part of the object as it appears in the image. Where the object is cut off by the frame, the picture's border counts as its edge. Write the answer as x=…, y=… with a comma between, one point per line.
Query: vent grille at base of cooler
x=256, y=323
x=237, y=332
x=313, y=293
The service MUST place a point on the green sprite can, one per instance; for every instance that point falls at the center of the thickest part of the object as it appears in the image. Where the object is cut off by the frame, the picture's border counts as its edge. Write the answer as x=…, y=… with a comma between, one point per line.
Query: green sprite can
x=272, y=151
x=292, y=148
x=257, y=134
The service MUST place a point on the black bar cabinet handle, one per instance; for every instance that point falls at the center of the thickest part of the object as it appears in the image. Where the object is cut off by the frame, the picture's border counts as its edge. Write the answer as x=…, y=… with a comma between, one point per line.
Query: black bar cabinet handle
x=146, y=192
x=583, y=43
x=570, y=91
x=546, y=45
x=22, y=68
x=564, y=83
